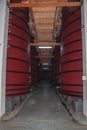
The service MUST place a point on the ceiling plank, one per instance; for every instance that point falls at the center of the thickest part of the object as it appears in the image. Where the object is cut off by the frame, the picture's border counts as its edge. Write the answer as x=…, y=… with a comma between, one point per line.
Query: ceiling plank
x=43, y=11
x=45, y=17
x=45, y=30
x=45, y=33
x=45, y=4
x=44, y=57
x=57, y=23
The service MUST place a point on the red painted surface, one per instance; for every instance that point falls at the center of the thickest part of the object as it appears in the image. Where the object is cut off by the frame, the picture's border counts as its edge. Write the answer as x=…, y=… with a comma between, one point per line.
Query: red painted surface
x=18, y=78
x=71, y=83
x=34, y=65
x=56, y=64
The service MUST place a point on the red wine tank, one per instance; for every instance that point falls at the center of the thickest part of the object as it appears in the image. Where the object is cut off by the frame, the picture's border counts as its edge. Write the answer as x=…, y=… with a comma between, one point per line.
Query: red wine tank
x=17, y=77
x=33, y=65
x=71, y=53
x=55, y=65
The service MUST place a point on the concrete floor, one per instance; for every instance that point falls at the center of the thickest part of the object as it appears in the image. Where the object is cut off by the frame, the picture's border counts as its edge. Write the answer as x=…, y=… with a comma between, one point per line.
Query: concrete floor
x=43, y=111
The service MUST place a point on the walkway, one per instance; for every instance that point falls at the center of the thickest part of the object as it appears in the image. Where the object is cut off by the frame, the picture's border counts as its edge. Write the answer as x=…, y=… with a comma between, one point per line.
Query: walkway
x=43, y=111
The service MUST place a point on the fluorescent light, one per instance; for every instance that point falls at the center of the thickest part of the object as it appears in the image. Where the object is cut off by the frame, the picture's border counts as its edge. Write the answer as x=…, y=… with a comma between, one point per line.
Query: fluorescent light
x=45, y=63
x=45, y=68
x=45, y=47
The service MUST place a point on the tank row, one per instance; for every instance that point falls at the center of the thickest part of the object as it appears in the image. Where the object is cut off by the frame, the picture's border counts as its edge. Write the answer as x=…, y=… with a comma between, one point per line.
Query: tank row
x=22, y=64
x=21, y=72
x=17, y=54
x=67, y=70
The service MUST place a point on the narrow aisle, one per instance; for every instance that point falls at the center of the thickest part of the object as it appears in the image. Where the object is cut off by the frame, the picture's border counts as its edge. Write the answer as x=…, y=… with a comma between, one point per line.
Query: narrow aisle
x=43, y=111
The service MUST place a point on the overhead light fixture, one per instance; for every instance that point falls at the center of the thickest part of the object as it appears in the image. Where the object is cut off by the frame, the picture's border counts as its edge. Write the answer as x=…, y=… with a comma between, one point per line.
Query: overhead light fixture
x=45, y=47
x=45, y=68
x=45, y=63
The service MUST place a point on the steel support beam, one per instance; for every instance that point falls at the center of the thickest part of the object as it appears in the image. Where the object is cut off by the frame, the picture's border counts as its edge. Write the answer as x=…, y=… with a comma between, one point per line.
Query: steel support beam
x=4, y=11
x=84, y=44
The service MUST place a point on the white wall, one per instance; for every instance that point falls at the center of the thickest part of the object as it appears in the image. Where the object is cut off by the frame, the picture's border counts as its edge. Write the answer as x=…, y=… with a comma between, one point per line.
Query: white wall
x=84, y=44
x=4, y=11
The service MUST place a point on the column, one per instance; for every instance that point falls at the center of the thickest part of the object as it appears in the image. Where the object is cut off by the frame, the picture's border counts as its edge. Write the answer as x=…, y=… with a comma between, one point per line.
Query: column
x=4, y=12
x=84, y=49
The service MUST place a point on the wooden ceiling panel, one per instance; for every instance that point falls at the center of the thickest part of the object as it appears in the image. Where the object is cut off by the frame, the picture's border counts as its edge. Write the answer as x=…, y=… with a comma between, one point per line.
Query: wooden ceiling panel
x=44, y=39
x=44, y=15
x=43, y=9
x=42, y=27
x=39, y=43
x=46, y=21
x=45, y=4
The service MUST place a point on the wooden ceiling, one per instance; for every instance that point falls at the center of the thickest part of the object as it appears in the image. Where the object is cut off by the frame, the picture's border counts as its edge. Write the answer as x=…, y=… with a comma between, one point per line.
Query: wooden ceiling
x=46, y=22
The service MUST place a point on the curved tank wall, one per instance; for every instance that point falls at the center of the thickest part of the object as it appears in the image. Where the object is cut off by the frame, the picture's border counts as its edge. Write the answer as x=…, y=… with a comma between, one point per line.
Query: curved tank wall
x=55, y=65
x=17, y=77
x=34, y=65
x=71, y=53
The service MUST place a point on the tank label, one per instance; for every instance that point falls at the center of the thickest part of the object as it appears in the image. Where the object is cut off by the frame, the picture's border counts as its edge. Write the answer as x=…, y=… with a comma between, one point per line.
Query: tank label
x=84, y=78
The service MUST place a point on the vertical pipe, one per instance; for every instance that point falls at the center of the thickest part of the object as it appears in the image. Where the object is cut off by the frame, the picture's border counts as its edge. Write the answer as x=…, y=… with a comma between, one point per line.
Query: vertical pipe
x=4, y=13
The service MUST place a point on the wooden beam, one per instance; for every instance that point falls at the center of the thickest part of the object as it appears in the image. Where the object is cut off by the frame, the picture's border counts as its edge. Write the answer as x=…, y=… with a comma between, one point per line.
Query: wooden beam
x=45, y=51
x=44, y=27
x=57, y=23
x=44, y=36
x=40, y=41
x=27, y=1
x=42, y=23
x=44, y=56
x=45, y=44
x=45, y=30
x=45, y=4
x=45, y=17
x=43, y=11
